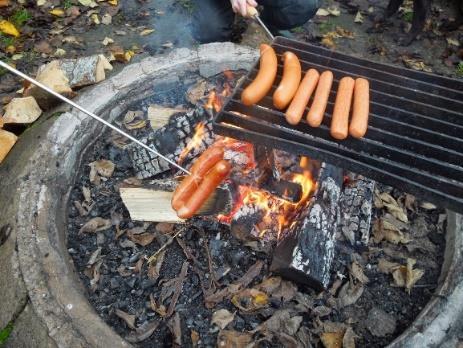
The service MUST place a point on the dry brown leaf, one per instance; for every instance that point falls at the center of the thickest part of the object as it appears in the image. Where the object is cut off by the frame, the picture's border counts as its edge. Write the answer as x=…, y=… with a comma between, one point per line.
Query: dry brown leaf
x=194, y=338
x=146, y=32
x=142, y=239
x=94, y=257
x=280, y=322
x=128, y=318
x=348, y=341
x=384, y=230
x=250, y=300
x=176, y=330
x=93, y=273
x=385, y=266
x=357, y=272
x=233, y=339
x=409, y=202
x=165, y=227
x=154, y=267
x=349, y=294
x=332, y=339
x=104, y=167
x=134, y=120
x=428, y=206
x=269, y=285
x=96, y=224
x=143, y=332
x=358, y=17
x=139, y=265
x=158, y=308
x=406, y=276
x=222, y=318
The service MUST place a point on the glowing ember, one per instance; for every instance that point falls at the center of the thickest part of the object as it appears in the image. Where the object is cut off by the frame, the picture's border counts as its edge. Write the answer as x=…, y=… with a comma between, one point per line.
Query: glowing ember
x=196, y=141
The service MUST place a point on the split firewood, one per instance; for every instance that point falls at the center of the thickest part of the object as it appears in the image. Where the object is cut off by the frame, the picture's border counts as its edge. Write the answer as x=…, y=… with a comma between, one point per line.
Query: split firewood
x=146, y=204
x=85, y=71
x=159, y=115
x=22, y=111
x=7, y=140
x=52, y=76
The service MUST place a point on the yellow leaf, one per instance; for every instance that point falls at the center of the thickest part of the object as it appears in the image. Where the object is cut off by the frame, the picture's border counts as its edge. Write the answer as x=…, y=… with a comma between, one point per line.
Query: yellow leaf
x=8, y=28
x=95, y=18
x=57, y=12
x=332, y=339
x=147, y=32
x=113, y=2
x=10, y=49
x=128, y=55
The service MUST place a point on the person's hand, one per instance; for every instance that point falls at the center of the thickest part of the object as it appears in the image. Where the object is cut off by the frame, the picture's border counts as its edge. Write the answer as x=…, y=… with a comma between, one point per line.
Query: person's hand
x=240, y=6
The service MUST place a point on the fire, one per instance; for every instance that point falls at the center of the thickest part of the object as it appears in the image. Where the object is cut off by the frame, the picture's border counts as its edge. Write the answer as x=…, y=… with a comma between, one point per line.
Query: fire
x=196, y=141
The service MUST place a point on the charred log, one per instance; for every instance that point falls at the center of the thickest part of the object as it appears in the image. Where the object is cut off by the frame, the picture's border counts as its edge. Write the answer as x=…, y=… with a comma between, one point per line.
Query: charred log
x=355, y=205
x=170, y=140
x=305, y=255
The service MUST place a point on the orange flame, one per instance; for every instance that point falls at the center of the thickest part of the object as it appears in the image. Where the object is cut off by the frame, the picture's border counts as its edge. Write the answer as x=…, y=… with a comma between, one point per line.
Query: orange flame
x=196, y=141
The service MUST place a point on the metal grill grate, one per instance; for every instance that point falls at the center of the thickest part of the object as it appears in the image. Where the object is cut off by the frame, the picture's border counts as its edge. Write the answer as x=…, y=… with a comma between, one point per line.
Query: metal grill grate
x=415, y=135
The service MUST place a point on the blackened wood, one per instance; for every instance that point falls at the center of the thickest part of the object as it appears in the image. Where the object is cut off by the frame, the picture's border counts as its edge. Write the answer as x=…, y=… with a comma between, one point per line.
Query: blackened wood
x=170, y=140
x=355, y=206
x=306, y=253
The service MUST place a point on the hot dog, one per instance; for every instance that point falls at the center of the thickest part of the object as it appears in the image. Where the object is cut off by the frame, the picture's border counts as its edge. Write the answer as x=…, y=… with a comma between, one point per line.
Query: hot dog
x=199, y=169
x=210, y=182
x=303, y=94
x=289, y=82
x=263, y=82
x=318, y=107
x=340, y=119
x=359, y=122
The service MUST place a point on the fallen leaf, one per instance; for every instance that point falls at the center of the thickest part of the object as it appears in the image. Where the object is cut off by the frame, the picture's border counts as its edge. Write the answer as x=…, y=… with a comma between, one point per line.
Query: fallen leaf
x=95, y=19
x=358, y=17
x=159, y=115
x=384, y=230
x=103, y=167
x=349, y=294
x=168, y=44
x=280, y=322
x=194, y=338
x=4, y=3
x=165, y=227
x=334, y=11
x=113, y=2
x=406, y=276
x=59, y=52
x=233, y=339
x=128, y=318
x=154, y=267
x=250, y=300
x=139, y=265
x=357, y=272
x=222, y=318
x=106, y=41
x=332, y=339
x=385, y=266
x=142, y=239
x=146, y=32
x=94, y=257
x=143, y=332
x=134, y=120
x=57, y=12
x=88, y=3
x=8, y=28
x=428, y=206
x=106, y=19
x=94, y=274
x=71, y=40
x=176, y=330
x=348, y=341
x=416, y=64
x=94, y=225
x=322, y=12
x=453, y=42
x=158, y=308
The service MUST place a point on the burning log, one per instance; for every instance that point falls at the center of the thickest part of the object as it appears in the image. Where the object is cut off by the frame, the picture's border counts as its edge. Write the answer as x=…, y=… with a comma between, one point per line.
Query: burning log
x=305, y=254
x=356, y=205
x=171, y=140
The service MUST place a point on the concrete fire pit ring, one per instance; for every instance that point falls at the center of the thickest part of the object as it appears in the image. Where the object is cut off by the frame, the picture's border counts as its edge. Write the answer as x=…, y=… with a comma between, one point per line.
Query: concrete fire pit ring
x=41, y=291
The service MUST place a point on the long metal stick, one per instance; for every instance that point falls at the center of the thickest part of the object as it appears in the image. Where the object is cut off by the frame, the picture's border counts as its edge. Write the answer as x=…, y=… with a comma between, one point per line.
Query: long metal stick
x=257, y=18
x=106, y=123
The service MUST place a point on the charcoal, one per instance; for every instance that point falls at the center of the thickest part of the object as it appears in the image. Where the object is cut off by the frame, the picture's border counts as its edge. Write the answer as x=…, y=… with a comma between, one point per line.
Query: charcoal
x=306, y=253
x=355, y=205
x=170, y=140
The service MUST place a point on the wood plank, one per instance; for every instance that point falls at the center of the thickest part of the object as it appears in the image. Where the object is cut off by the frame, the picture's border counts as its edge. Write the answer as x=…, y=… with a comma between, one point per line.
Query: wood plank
x=146, y=204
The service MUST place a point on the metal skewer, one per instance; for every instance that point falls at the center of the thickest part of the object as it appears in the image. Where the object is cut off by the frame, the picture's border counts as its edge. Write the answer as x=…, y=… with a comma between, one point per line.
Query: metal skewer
x=78, y=107
x=252, y=12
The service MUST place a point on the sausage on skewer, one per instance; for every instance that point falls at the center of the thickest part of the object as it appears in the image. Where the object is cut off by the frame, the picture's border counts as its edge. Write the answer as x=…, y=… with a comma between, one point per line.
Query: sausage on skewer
x=320, y=100
x=340, y=119
x=289, y=82
x=359, y=122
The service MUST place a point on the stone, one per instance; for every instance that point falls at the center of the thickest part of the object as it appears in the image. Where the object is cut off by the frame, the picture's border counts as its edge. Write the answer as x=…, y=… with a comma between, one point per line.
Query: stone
x=380, y=323
x=22, y=111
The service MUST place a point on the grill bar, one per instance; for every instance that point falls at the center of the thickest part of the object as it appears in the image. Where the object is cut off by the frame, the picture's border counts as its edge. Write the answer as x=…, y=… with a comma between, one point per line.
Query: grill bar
x=415, y=135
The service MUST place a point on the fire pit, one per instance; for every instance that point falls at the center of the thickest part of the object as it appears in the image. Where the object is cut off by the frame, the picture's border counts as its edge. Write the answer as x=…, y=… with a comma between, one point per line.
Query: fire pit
x=205, y=254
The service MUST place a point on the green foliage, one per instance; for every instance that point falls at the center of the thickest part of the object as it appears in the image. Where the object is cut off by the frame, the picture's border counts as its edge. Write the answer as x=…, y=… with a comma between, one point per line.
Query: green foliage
x=20, y=17
x=5, y=333
x=67, y=4
x=6, y=40
x=326, y=27
x=298, y=30
x=408, y=16
x=459, y=70
x=3, y=71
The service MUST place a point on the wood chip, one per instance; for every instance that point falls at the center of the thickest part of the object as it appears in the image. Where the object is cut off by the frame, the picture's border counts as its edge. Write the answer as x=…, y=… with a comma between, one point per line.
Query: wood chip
x=128, y=318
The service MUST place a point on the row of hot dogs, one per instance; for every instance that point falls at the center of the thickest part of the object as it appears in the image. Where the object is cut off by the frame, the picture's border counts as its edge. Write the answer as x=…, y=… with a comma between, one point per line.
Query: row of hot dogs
x=208, y=171
x=294, y=94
